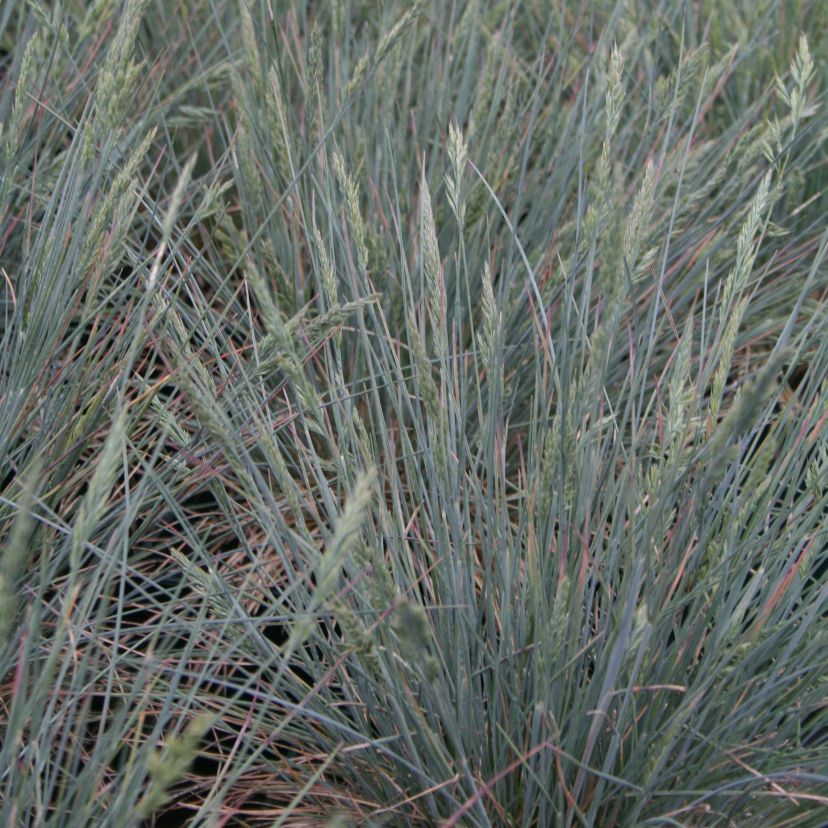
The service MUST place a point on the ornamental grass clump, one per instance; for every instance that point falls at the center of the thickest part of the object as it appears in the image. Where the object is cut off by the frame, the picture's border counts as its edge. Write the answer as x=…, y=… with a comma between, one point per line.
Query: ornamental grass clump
x=413, y=413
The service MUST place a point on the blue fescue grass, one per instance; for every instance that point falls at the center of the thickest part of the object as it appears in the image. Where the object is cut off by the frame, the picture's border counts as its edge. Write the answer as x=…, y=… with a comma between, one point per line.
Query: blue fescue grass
x=413, y=413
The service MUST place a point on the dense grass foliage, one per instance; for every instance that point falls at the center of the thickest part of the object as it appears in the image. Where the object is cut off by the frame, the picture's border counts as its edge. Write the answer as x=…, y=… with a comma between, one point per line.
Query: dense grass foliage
x=413, y=413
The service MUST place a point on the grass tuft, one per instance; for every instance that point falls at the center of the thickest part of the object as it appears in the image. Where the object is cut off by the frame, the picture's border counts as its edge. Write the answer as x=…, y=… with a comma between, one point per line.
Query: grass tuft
x=413, y=413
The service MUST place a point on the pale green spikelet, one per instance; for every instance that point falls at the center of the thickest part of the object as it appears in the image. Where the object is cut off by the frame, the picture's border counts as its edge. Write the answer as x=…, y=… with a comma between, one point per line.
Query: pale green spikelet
x=760, y=465
x=381, y=590
x=392, y=37
x=357, y=77
x=205, y=583
x=315, y=80
x=168, y=222
x=591, y=225
x=598, y=343
x=251, y=49
x=118, y=196
x=356, y=636
x=119, y=73
x=177, y=198
x=364, y=439
x=637, y=224
x=338, y=164
x=779, y=134
x=279, y=345
x=279, y=133
x=209, y=585
x=16, y=553
x=426, y=385
x=614, y=96
x=410, y=624
x=680, y=392
x=816, y=474
x=14, y=128
x=550, y=453
x=185, y=357
x=488, y=336
x=433, y=272
x=315, y=329
x=366, y=64
x=726, y=350
x=351, y=193
x=556, y=625
x=694, y=66
x=458, y=151
x=345, y=535
x=588, y=385
x=748, y=404
x=197, y=383
x=673, y=90
x=169, y=422
x=731, y=315
x=88, y=415
x=458, y=156
x=329, y=566
x=559, y=446
x=170, y=765
x=613, y=101
x=283, y=288
x=745, y=247
x=287, y=485
x=569, y=448
x=327, y=274
x=318, y=328
x=94, y=501
x=248, y=167
x=641, y=629
x=802, y=73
